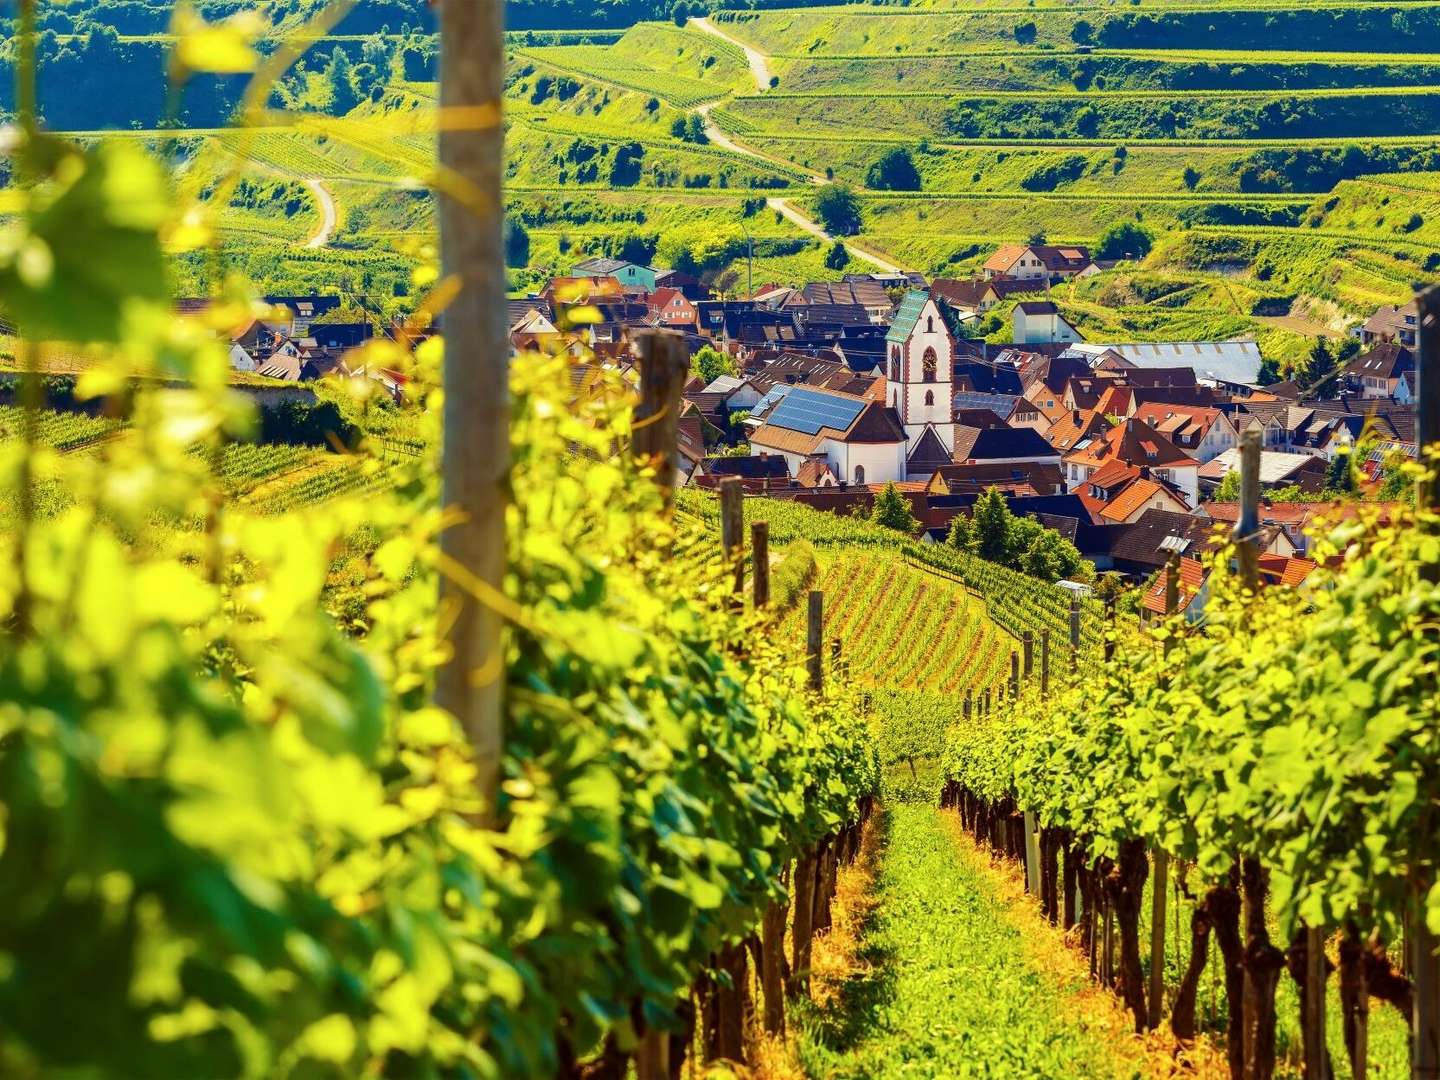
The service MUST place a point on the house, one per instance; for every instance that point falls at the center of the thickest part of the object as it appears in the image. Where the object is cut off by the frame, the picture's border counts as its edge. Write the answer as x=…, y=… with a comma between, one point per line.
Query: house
x=628, y=274
x=1002, y=446
x=671, y=308
x=1035, y=262
x=1119, y=493
x=920, y=370
x=1075, y=429
x=1203, y=433
x=1236, y=362
x=1025, y=477
x=977, y=296
x=1380, y=372
x=1039, y=322
x=1142, y=547
x=1396, y=325
x=691, y=287
x=1277, y=470
x=1191, y=587
x=302, y=311
x=534, y=332
x=862, y=441
x=869, y=295
x=1136, y=443
x=758, y=472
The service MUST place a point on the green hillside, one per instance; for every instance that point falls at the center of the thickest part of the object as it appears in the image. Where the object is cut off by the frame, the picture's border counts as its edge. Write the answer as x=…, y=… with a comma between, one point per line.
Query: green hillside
x=1290, y=149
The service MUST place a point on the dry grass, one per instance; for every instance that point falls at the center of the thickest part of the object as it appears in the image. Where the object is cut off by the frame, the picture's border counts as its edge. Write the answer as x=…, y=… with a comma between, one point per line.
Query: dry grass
x=1057, y=954
x=834, y=958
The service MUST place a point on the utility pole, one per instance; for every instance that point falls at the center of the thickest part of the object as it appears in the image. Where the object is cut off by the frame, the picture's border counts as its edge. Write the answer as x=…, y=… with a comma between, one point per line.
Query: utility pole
x=476, y=458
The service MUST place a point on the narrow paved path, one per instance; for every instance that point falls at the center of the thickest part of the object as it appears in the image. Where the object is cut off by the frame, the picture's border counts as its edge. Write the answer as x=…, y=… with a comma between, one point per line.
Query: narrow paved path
x=798, y=219
x=759, y=62
x=328, y=215
x=950, y=988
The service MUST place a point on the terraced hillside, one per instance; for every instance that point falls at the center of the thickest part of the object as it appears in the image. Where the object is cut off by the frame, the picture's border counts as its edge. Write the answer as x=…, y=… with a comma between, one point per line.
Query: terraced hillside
x=1283, y=156
x=1223, y=129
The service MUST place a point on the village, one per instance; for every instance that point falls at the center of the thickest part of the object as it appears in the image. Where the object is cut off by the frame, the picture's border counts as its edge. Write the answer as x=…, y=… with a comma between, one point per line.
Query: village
x=830, y=393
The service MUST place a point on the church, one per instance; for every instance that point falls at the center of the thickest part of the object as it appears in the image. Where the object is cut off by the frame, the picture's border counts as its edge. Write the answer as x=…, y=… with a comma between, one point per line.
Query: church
x=920, y=373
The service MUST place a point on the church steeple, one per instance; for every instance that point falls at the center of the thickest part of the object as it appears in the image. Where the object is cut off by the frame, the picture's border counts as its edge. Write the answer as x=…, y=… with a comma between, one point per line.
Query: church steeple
x=920, y=369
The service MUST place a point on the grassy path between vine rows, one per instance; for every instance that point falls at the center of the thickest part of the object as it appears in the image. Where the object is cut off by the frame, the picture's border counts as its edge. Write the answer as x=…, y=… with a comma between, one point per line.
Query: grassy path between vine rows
x=949, y=980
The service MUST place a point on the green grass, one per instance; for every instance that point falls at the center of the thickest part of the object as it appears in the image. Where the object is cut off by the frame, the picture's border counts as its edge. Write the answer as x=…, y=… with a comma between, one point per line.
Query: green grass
x=945, y=991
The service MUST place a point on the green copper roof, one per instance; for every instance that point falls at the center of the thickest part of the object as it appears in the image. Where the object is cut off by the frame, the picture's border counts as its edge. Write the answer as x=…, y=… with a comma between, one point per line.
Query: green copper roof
x=907, y=316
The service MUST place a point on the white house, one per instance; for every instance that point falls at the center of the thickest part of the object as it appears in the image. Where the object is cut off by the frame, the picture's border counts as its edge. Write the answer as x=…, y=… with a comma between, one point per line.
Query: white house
x=863, y=441
x=920, y=369
x=1039, y=322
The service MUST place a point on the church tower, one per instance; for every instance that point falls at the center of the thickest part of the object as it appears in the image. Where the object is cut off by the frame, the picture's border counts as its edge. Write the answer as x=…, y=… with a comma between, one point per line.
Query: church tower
x=920, y=369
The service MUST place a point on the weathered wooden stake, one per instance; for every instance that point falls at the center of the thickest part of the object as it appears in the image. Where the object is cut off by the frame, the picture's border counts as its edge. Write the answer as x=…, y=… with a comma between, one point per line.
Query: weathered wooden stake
x=652, y=1056
x=1032, y=855
x=1425, y=1027
x=664, y=363
x=1247, y=528
x=1314, y=1034
x=1027, y=644
x=1014, y=673
x=1045, y=662
x=968, y=695
x=1160, y=864
x=476, y=452
x=814, y=638
x=760, y=560
x=732, y=530
x=1074, y=633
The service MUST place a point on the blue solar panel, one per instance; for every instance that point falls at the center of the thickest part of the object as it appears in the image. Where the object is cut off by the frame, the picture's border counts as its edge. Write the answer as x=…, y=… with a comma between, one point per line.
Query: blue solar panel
x=808, y=412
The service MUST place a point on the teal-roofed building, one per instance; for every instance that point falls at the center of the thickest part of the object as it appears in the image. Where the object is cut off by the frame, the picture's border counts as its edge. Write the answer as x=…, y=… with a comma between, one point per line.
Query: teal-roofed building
x=920, y=376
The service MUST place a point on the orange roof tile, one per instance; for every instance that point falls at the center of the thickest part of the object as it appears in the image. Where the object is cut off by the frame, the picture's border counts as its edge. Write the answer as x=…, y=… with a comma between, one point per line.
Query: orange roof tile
x=1131, y=499
x=1192, y=580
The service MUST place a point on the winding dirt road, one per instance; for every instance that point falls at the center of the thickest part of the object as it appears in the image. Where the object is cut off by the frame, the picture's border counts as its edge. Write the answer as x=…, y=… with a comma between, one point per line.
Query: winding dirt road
x=759, y=62
x=800, y=221
x=328, y=214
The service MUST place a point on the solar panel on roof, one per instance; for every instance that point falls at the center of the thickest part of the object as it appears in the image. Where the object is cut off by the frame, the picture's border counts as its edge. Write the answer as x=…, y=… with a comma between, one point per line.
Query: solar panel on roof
x=808, y=412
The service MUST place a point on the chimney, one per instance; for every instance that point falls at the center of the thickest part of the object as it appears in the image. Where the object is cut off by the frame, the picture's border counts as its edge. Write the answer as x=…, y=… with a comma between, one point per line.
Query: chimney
x=1075, y=417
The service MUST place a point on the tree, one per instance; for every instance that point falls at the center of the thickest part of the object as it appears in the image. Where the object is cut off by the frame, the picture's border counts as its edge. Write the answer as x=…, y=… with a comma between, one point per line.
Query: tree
x=838, y=210
x=1339, y=477
x=1229, y=489
x=1082, y=33
x=695, y=130
x=1036, y=238
x=892, y=510
x=992, y=521
x=710, y=363
x=894, y=171
x=1125, y=240
x=1191, y=176
x=340, y=78
x=1044, y=559
x=961, y=535
x=839, y=257
x=517, y=242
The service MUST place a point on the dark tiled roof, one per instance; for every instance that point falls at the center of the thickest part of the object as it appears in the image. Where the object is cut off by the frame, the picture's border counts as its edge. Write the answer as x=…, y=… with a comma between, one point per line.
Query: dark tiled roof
x=928, y=454
x=1141, y=543
x=987, y=444
x=754, y=467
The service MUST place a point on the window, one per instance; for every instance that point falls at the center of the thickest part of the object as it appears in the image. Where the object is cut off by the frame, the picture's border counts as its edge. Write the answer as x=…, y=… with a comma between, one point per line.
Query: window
x=930, y=324
x=929, y=397
x=929, y=364
x=859, y=474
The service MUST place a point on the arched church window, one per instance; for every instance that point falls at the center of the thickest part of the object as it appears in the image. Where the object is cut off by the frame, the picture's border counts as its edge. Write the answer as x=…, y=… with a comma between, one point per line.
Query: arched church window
x=929, y=397
x=929, y=364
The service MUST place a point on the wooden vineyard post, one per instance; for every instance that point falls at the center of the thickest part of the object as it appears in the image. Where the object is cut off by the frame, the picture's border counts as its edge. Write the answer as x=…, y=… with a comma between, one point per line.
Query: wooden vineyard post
x=1247, y=528
x=1314, y=990
x=1014, y=674
x=1160, y=860
x=1160, y=865
x=732, y=531
x=968, y=695
x=1109, y=629
x=1032, y=855
x=476, y=452
x=652, y=1056
x=1425, y=1026
x=1045, y=662
x=664, y=362
x=987, y=701
x=1027, y=643
x=1074, y=633
x=814, y=638
x=760, y=558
